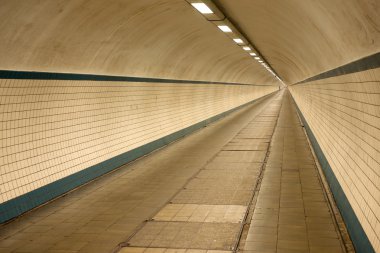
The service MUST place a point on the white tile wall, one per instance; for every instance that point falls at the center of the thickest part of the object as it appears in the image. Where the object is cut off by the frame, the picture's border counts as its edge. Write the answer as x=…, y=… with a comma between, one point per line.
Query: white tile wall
x=51, y=129
x=344, y=115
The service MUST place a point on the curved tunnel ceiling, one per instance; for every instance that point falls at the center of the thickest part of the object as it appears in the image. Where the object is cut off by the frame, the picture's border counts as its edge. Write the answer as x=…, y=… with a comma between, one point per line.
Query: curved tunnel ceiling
x=301, y=39
x=145, y=38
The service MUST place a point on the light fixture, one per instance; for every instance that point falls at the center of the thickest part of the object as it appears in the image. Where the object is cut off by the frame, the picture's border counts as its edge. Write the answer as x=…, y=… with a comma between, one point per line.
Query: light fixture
x=247, y=48
x=239, y=41
x=252, y=54
x=225, y=28
x=257, y=58
x=261, y=61
x=202, y=8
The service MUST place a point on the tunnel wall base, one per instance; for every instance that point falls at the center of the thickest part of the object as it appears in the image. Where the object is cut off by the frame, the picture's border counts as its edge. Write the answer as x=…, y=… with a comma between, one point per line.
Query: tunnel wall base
x=356, y=231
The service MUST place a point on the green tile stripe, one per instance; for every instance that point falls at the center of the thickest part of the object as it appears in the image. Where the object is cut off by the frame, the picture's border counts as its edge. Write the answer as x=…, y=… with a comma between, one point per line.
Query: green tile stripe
x=355, y=229
x=32, y=75
x=21, y=204
x=366, y=63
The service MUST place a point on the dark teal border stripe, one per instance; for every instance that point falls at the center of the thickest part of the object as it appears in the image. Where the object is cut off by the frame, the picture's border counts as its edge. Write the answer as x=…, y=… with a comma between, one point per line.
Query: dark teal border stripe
x=366, y=63
x=355, y=229
x=30, y=200
x=31, y=75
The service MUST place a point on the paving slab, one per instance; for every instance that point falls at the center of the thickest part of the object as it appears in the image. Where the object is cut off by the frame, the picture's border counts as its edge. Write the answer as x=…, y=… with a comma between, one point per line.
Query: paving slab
x=201, y=213
x=187, y=235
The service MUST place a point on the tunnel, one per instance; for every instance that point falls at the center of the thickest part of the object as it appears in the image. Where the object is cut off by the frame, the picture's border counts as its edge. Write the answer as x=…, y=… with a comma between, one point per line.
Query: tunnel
x=190, y=126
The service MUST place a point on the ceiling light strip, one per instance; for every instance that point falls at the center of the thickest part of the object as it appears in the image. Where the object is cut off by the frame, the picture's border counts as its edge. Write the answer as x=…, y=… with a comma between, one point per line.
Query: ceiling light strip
x=212, y=13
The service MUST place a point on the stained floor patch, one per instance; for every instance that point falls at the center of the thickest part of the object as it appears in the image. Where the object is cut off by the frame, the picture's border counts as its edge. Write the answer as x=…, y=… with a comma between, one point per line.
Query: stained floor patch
x=187, y=235
x=221, y=174
x=240, y=156
x=166, y=250
x=213, y=165
x=213, y=196
x=221, y=182
x=202, y=213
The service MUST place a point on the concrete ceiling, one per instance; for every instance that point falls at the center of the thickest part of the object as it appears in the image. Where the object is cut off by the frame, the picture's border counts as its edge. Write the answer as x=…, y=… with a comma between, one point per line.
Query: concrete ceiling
x=146, y=38
x=302, y=38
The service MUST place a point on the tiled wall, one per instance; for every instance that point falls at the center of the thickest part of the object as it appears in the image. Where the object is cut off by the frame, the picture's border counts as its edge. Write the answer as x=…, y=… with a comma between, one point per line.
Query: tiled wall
x=50, y=129
x=343, y=112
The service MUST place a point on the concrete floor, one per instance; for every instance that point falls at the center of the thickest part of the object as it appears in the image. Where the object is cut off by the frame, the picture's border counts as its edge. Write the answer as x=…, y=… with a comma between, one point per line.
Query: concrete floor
x=252, y=170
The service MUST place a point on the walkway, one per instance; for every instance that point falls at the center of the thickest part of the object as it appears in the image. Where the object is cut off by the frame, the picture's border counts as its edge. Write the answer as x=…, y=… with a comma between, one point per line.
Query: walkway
x=291, y=213
x=231, y=185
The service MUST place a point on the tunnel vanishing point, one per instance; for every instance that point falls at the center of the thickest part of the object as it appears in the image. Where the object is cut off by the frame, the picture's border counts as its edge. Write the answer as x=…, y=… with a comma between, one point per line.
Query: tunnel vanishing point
x=189, y=126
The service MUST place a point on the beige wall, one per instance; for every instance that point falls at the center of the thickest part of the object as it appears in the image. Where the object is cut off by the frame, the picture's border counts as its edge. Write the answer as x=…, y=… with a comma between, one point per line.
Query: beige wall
x=52, y=129
x=344, y=114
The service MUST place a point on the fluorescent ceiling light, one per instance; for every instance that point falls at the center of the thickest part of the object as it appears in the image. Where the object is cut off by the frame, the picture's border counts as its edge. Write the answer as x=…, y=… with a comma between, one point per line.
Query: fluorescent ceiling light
x=225, y=28
x=261, y=61
x=239, y=41
x=253, y=54
x=202, y=8
x=247, y=48
x=257, y=58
